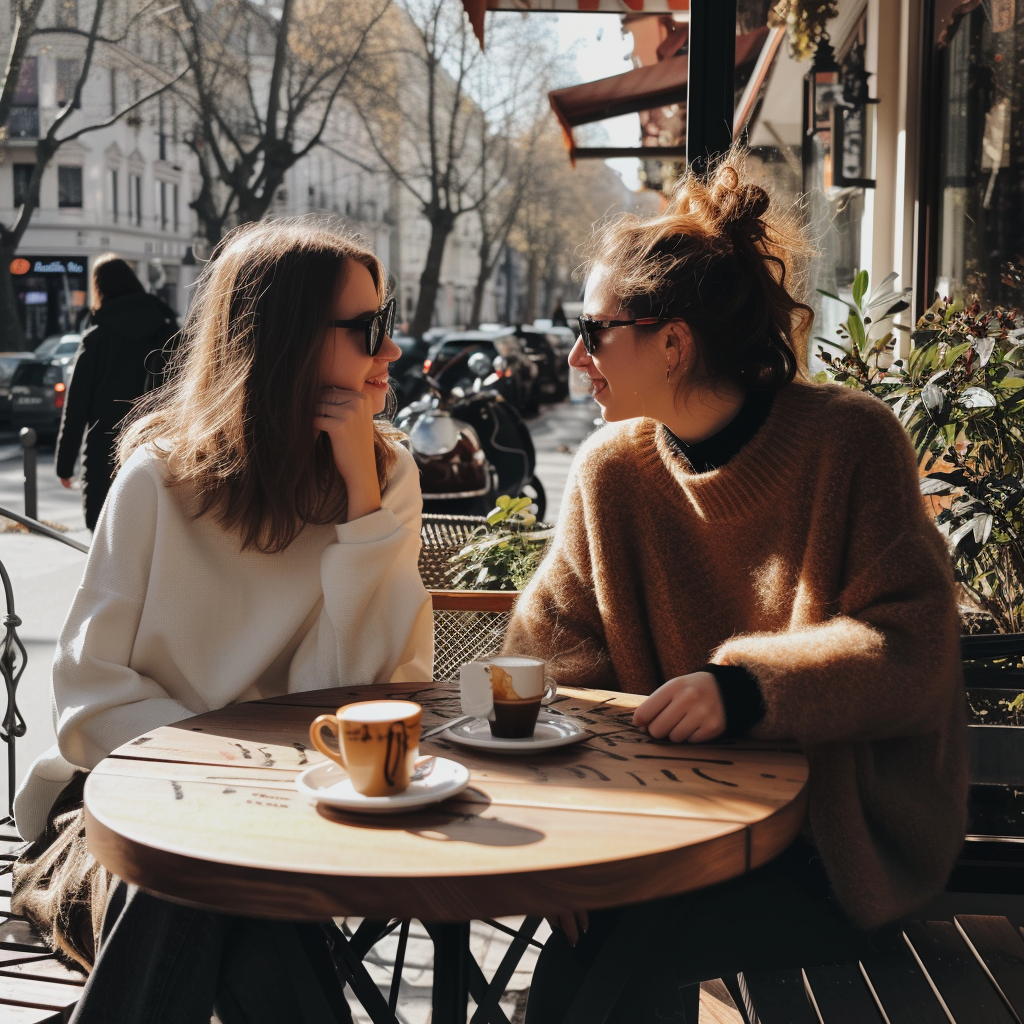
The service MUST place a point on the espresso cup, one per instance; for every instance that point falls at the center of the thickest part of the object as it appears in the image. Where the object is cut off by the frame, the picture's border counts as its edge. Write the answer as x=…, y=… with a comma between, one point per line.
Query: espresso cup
x=378, y=744
x=508, y=691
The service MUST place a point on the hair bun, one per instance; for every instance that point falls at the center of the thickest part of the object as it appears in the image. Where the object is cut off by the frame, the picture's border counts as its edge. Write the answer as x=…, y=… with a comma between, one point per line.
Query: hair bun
x=741, y=207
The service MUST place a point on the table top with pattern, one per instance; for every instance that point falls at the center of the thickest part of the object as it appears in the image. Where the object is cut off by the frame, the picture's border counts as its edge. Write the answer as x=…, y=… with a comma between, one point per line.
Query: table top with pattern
x=206, y=811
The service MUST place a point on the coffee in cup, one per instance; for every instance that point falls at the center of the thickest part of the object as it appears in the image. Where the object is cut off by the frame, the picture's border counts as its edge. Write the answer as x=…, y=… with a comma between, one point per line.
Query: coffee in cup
x=378, y=744
x=508, y=691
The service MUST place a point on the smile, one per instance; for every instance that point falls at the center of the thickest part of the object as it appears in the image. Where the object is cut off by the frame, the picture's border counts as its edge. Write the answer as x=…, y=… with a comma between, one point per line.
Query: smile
x=597, y=384
x=379, y=382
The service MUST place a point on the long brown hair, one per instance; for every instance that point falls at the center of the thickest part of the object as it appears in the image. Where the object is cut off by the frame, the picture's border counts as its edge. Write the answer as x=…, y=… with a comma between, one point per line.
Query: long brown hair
x=235, y=421
x=720, y=257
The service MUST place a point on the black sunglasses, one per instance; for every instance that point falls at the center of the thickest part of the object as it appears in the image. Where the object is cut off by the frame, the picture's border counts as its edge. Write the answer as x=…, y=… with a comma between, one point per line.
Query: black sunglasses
x=374, y=327
x=589, y=327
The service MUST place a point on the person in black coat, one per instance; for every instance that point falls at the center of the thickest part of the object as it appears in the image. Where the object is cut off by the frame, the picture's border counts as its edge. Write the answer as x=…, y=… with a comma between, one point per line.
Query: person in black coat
x=111, y=372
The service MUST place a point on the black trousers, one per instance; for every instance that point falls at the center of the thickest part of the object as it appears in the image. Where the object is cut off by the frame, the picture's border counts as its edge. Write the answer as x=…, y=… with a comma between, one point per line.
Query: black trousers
x=630, y=966
x=161, y=963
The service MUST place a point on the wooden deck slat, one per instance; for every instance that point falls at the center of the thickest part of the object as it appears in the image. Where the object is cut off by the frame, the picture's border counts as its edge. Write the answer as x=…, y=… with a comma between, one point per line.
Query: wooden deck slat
x=46, y=995
x=901, y=988
x=961, y=982
x=46, y=968
x=10, y=1014
x=1000, y=949
x=841, y=996
x=17, y=934
x=779, y=997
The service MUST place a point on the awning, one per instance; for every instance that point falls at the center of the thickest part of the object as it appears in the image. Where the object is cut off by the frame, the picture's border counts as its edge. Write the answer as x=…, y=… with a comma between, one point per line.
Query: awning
x=657, y=85
x=477, y=8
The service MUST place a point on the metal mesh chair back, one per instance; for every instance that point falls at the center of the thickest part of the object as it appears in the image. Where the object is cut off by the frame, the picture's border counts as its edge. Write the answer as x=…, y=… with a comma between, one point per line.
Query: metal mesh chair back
x=467, y=624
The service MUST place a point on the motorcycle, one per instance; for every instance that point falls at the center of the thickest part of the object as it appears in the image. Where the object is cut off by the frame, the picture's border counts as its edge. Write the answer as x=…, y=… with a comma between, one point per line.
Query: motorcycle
x=471, y=446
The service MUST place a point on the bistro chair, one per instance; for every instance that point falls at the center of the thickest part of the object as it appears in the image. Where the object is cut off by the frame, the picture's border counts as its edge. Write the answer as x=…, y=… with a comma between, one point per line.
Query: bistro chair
x=468, y=624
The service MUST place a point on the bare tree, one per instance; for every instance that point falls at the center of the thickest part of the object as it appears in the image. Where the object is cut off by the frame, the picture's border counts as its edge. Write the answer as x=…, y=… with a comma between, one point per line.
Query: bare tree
x=264, y=83
x=105, y=35
x=512, y=89
x=557, y=216
x=426, y=127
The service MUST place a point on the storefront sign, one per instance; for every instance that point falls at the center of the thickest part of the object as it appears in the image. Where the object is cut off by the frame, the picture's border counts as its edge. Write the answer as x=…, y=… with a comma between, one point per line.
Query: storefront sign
x=56, y=265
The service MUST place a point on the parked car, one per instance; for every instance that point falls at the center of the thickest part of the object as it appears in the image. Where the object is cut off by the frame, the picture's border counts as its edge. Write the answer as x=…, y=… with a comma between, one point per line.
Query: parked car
x=553, y=376
x=448, y=363
x=9, y=362
x=67, y=349
x=38, y=388
x=67, y=343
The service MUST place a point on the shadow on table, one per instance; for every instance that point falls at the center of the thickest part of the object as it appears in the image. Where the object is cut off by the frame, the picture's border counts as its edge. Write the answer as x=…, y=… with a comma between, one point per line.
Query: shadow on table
x=448, y=823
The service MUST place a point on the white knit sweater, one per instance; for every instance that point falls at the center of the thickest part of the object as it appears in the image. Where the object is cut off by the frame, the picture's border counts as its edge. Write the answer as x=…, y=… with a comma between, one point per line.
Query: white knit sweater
x=173, y=620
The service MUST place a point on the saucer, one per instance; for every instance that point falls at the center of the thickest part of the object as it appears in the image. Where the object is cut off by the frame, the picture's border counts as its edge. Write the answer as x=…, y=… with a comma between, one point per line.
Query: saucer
x=551, y=731
x=328, y=783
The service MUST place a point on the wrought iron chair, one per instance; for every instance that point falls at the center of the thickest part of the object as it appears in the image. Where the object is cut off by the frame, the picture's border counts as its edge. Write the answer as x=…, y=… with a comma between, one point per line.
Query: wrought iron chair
x=467, y=623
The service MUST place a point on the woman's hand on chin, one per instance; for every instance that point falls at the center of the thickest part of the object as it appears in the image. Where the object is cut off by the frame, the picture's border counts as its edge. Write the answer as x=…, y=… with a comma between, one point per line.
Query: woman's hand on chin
x=346, y=417
x=687, y=709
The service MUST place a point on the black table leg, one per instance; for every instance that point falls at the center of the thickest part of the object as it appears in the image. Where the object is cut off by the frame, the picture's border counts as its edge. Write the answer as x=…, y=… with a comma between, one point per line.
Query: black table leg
x=451, y=972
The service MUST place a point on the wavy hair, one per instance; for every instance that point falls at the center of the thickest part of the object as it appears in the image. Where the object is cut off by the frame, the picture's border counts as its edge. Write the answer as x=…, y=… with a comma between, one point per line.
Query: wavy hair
x=720, y=257
x=234, y=422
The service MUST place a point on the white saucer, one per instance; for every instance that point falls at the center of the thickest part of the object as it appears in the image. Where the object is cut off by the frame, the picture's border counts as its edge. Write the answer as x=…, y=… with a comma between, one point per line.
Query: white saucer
x=329, y=783
x=551, y=731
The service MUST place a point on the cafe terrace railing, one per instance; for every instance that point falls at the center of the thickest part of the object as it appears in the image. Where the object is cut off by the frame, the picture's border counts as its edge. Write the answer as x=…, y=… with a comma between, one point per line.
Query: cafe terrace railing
x=14, y=657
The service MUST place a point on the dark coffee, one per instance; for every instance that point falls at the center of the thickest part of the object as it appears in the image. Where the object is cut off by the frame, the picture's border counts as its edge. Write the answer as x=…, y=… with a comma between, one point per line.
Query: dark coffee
x=515, y=719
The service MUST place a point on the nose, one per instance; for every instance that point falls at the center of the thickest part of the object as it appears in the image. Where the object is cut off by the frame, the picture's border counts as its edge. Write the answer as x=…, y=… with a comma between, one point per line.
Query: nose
x=389, y=349
x=579, y=358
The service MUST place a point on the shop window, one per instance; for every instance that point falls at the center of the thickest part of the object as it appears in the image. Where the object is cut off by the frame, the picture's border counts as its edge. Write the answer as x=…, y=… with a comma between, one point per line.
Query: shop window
x=68, y=73
x=980, y=200
x=161, y=191
x=69, y=187
x=22, y=179
x=67, y=14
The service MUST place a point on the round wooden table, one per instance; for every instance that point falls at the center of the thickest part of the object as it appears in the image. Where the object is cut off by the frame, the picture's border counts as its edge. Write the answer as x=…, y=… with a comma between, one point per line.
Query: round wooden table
x=206, y=811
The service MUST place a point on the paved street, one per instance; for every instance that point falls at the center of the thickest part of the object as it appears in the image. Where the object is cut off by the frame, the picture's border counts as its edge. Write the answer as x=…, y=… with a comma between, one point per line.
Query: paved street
x=45, y=574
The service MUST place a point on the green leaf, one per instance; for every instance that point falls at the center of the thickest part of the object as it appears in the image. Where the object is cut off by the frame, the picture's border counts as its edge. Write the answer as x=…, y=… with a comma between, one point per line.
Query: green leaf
x=860, y=286
x=856, y=328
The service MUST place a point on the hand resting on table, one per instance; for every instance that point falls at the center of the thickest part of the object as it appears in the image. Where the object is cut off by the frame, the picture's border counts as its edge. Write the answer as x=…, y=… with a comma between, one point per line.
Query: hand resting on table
x=686, y=709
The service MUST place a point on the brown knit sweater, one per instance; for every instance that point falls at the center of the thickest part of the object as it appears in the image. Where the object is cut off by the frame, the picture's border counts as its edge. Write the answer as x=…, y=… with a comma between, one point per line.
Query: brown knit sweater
x=809, y=560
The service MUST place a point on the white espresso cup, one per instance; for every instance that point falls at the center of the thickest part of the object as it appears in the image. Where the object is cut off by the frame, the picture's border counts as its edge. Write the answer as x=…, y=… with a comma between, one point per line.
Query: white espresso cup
x=508, y=691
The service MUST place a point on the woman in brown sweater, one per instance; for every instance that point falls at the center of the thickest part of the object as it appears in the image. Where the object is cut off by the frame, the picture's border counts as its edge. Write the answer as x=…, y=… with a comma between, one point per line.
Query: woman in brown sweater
x=751, y=550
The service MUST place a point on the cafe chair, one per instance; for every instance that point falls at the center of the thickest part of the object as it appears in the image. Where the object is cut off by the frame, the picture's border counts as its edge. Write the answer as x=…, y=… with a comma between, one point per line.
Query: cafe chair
x=467, y=623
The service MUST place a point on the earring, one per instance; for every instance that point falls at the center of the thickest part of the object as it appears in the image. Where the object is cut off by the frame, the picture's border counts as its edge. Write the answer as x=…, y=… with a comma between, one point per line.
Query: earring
x=668, y=371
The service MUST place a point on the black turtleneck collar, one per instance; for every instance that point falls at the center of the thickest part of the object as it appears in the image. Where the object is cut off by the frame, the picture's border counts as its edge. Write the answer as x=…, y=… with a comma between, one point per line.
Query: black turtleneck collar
x=715, y=451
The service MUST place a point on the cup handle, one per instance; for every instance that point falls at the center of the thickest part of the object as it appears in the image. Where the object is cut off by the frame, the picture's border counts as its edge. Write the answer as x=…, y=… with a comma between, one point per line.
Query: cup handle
x=315, y=734
x=550, y=690
x=423, y=766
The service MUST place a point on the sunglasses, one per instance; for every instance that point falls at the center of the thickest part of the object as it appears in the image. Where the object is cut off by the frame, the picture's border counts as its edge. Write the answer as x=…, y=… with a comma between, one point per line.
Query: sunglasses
x=374, y=327
x=589, y=327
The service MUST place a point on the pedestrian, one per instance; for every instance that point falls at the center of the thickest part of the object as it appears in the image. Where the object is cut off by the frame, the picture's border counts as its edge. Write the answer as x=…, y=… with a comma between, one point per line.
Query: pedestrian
x=750, y=551
x=260, y=538
x=110, y=373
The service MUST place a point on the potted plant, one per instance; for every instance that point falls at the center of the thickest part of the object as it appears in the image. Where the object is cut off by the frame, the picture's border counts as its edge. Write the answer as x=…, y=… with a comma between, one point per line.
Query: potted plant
x=960, y=396
x=504, y=553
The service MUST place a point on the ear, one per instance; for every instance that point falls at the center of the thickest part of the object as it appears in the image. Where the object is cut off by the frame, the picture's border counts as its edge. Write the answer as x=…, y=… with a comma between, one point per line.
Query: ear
x=679, y=343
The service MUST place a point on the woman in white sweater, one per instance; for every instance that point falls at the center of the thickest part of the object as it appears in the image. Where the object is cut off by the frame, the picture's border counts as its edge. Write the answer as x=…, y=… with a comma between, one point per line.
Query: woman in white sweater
x=260, y=538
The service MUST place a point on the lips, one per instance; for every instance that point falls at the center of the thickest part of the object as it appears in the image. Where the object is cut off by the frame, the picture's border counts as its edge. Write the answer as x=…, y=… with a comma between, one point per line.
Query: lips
x=597, y=384
x=378, y=382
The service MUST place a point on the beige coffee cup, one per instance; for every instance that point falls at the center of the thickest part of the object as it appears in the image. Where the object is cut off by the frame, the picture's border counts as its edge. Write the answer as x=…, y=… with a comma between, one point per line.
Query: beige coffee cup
x=508, y=691
x=378, y=744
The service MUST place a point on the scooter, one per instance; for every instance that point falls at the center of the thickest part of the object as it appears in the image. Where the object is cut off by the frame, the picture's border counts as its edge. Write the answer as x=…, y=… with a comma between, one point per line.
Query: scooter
x=471, y=446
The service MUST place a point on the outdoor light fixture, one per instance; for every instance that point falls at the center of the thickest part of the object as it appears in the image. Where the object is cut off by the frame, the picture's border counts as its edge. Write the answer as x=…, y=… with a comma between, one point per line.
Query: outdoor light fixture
x=837, y=119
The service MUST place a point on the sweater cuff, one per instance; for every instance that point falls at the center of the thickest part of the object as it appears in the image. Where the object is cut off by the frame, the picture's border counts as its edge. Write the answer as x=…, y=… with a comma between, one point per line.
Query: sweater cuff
x=741, y=698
